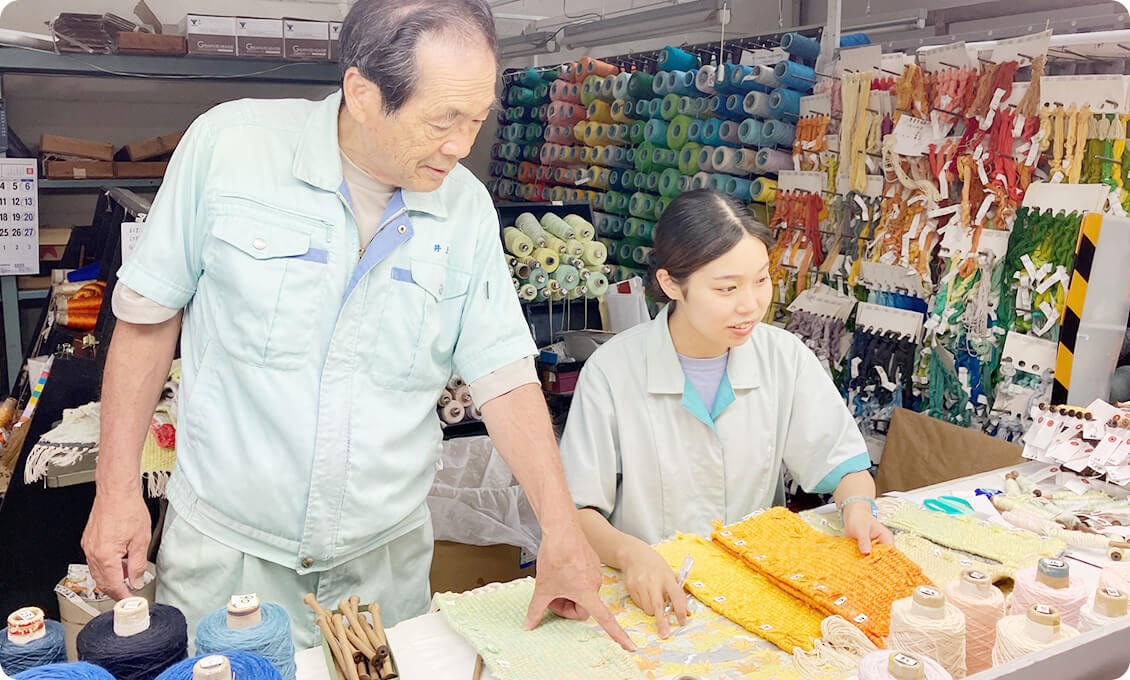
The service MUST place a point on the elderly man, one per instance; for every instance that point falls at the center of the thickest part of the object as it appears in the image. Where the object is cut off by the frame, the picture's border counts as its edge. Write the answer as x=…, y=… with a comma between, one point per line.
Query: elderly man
x=327, y=266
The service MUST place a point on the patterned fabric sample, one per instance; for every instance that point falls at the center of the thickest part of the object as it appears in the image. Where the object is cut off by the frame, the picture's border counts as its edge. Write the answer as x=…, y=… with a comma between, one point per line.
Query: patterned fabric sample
x=745, y=596
x=490, y=619
x=824, y=571
x=1014, y=548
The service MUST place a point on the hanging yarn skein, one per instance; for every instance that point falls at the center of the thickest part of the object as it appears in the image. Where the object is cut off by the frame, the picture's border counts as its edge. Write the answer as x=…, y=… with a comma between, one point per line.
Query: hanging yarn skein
x=1023, y=634
x=983, y=605
x=246, y=625
x=925, y=624
x=896, y=665
x=65, y=671
x=227, y=666
x=30, y=641
x=1049, y=583
x=135, y=640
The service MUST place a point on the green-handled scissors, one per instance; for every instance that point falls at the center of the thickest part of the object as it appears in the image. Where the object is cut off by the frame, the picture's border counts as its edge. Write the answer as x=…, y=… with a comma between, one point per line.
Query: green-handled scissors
x=950, y=505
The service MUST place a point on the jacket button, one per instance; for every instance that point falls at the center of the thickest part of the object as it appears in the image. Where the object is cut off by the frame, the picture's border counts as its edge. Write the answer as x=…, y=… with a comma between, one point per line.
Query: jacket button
x=259, y=244
x=307, y=563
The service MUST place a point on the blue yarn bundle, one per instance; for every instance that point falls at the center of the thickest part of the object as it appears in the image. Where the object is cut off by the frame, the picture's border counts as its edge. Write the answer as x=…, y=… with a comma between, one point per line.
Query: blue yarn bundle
x=270, y=638
x=801, y=46
x=244, y=666
x=674, y=59
x=65, y=671
x=48, y=649
x=795, y=76
x=137, y=657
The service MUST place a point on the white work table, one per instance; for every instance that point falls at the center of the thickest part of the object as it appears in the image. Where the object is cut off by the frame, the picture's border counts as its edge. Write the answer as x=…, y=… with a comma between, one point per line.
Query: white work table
x=427, y=649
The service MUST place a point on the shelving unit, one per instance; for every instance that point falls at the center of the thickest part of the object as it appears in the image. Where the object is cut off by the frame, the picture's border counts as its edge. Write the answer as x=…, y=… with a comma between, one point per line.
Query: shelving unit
x=15, y=60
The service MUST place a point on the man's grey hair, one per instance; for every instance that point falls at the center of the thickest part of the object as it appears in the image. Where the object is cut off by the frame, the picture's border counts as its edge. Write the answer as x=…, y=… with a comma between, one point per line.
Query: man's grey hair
x=379, y=37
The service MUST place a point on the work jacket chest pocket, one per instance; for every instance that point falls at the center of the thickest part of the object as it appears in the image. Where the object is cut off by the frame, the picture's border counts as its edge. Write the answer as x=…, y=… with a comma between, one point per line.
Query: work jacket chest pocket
x=419, y=324
x=268, y=271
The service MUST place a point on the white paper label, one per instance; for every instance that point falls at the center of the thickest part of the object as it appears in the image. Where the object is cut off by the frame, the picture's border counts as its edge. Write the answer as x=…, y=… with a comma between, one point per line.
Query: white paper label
x=866, y=58
x=19, y=217
x=131, y=234
x=949, y=56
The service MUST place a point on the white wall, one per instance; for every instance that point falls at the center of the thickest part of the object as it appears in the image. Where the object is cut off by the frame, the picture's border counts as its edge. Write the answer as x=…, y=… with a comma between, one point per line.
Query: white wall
x=30, y=15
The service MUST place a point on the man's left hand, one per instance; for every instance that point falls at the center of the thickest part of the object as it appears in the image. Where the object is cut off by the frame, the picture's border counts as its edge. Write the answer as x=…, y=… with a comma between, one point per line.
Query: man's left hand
x=568, y=583
x=861, y=525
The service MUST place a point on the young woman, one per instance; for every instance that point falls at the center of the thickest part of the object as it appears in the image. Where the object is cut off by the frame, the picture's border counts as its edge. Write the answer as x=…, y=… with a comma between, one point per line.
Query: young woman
x=691, y=416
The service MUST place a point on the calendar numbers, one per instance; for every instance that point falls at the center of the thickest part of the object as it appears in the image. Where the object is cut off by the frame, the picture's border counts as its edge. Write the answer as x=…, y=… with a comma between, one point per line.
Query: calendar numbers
x=19, y=217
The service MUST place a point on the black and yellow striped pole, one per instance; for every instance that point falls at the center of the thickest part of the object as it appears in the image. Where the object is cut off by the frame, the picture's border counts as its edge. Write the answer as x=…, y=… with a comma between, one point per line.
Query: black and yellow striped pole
x=1073, y=311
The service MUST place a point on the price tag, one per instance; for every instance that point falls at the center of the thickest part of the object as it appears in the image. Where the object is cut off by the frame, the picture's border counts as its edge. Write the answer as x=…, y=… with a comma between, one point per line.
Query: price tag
x=763, y=57
x=19, y=217
x=1030, y=45
x=945, y=57
x=131, y=233
x=866, y=58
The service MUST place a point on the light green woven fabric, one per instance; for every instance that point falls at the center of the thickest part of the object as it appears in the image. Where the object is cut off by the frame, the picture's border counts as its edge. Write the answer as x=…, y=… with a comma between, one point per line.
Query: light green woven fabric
x=1014, y=548
x=490, y=619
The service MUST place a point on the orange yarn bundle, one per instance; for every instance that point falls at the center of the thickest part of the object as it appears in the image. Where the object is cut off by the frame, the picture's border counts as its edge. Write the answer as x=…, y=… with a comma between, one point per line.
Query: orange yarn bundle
x=826, y=572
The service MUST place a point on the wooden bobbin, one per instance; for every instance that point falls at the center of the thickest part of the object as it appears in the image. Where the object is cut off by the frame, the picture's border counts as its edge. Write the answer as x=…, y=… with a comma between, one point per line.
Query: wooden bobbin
x=1053, y=573
x=1110, y=602
x=903, y=666
x=244, y=611
x=1043, y=622
x=928, y=602
x=25, y=625
x=214, y=667
x=974, y=582
x=131, y=616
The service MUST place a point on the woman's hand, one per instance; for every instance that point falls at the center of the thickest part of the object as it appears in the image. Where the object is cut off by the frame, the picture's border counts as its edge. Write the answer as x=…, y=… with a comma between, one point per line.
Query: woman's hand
x=652, y=583
x=861, y=525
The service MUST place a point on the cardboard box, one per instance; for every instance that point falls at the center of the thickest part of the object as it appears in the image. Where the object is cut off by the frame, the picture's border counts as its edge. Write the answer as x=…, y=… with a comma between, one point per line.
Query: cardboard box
x=150, y=43
x=306, y=40
x=208, y=35
x=259, y=37
x=921, y=451
x=143, y=170
x=335, y=31
x=75, y=148
x=151, y=148
x=78, y=169
x=457, y=567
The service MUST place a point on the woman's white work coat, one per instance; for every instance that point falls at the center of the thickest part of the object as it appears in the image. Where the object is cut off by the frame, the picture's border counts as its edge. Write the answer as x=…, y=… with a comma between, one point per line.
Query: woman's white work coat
x=642, y=448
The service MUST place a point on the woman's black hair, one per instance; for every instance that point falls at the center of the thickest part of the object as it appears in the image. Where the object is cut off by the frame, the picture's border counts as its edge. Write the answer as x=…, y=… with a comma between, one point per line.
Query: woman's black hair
x=697, y=228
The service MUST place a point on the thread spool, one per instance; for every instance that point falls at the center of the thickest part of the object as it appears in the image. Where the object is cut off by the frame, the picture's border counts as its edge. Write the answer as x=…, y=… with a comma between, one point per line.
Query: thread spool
x=746, y=161
x=453, y=413
x=739, y=188
x=728, y=132
x=30, y=641
x=711, y=132
x=854, y=40
x=677, y=132
x=606, y=85
x=247, y=625
x=1049, y=583
x=143, y=652
x=583, y=229
x=700, y=180
x=718, y=181
x=704, y=80
x=900, y=665
x=763, y=190
x=529, y=225
x=669, y=107
x=231, y=665
x=63, y=671
x=675, y=82
x=640, y=85
x=594, y=254
x=574, y=248
x=983, y=605
x=596, y=285
x=620, y=85
x=547, y=259
x=517, y=242
x=558, y=227
x=777, y=132
x=660, y=86
x=733, y=107
x=669, y=182
x=655, y=131
x=784, y=102
x=600, y=111
x=1108, y=607
x=926, y=624
x=801, y=46
x=795, y=75
x=736, y=76
x=765, y=77
x=675, y=59
x=749, y=131
x=688, y=106
x=772, y=161
x=688, y=159
x=1022, y=634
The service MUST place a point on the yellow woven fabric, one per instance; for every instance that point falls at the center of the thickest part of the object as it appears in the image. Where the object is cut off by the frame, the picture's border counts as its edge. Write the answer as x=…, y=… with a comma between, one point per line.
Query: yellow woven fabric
x=1014, y=548
x=746, y=597
x=824, y=571
x=154, y=458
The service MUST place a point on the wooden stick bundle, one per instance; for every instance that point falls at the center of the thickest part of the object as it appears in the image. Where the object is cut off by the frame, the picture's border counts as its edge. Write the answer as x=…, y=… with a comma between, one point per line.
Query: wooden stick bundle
x=359, y=649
